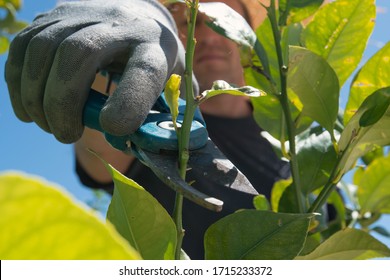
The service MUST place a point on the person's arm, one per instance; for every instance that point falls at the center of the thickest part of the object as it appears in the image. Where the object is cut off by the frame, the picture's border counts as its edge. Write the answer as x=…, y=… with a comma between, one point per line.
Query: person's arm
x=95, y=141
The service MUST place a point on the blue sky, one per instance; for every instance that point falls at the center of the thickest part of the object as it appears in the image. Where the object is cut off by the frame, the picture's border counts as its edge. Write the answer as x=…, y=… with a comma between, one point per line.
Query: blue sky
x=25, y=147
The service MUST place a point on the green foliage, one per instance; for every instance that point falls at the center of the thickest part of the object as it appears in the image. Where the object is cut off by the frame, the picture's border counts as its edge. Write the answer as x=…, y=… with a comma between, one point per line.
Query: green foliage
x=230, y=24
x=316, y=157
x=316, y=86
x=222, y=87
x=293, y=11
x=349, y=244
x=253, y=234
x=278, y=190
x=261, y=203
x=375, y=74
x=301, y=67
x=363, y=134
x=374, y=187
x=339, y=33
x=40, y=222
x=9, y=25
x=140, y=219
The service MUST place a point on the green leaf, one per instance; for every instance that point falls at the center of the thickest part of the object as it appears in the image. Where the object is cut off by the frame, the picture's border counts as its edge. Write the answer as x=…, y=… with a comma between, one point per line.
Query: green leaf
x=338, y=203
x=39, y=221
x=356, y=140
x=374, y=187
x=291, y=37
x=297, y=10
x=277, y=192
x=268, y=79
x=172, y=93
x=268, y=112
x=4, y=44
x=315, y=83
x=373, y=114
x=339, y=33
x=377, y=152
x=10, y=24
x=288, y=200
x=222, y=87
x=261, y=202
x=349, y=244
x=375, y=74
x=254, y=234
x=316, y=158
x=229, y=23
x=17, y=4
x=381, y=231
x=312, y=242
x=140, y=219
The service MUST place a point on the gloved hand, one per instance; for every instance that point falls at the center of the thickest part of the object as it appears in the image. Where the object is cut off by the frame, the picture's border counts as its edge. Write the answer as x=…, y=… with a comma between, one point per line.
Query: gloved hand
x=52, y=64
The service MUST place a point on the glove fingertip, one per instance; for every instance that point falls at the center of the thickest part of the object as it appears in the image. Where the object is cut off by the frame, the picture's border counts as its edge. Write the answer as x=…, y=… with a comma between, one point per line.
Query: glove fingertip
x=123, y=115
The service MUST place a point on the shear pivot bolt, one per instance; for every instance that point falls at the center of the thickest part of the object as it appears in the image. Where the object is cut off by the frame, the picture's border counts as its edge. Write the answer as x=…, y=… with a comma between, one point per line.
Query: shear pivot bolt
x=168, y=125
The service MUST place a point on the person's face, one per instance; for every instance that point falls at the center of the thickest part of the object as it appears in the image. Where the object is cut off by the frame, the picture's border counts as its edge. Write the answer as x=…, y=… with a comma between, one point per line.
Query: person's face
x=215, y=58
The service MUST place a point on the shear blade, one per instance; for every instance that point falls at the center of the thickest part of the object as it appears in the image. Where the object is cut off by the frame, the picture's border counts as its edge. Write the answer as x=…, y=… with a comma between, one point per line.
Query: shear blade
x=208, y=166
x=211, y=165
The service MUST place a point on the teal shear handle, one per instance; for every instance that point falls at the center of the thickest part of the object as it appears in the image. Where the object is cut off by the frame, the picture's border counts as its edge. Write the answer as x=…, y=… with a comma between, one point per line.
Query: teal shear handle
x=155, y=134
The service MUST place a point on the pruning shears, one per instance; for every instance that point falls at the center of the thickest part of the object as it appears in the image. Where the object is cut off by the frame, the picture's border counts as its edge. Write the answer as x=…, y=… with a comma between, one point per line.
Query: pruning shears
x=155, y=145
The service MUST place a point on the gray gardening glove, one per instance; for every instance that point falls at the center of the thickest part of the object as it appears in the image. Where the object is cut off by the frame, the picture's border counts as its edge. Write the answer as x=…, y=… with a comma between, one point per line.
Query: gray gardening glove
x=52, y=64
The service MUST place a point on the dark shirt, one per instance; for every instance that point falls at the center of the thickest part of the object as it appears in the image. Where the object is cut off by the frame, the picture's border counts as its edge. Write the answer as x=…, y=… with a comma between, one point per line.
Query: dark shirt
x=241, y=142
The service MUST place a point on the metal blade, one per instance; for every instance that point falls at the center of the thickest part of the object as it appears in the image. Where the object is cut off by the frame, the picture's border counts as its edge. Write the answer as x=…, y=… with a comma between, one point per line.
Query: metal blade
x=164, y=166
x=210, y=164
x=207, y=166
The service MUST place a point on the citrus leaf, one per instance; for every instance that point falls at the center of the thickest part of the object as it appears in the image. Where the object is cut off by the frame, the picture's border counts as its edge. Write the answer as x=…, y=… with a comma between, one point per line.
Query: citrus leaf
x=261, y=202
x=375, y=74
x=315, y=83
x=268, y=114
x=4, y=44
x=254, y=234
x=141, y=219
x=357, y=140
x=222, y=87
x=349, y=244
x=17, y=4
x=377, y=152
x=339, y=33
x=381, y=231
x=38, y=221
x=316, y=158
x=297, y=10
x=10, y=24
x=291, y=37
x=373, y=114
x=269, y=79
x=374, y=187
x=230, y=24
x=277, y=192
